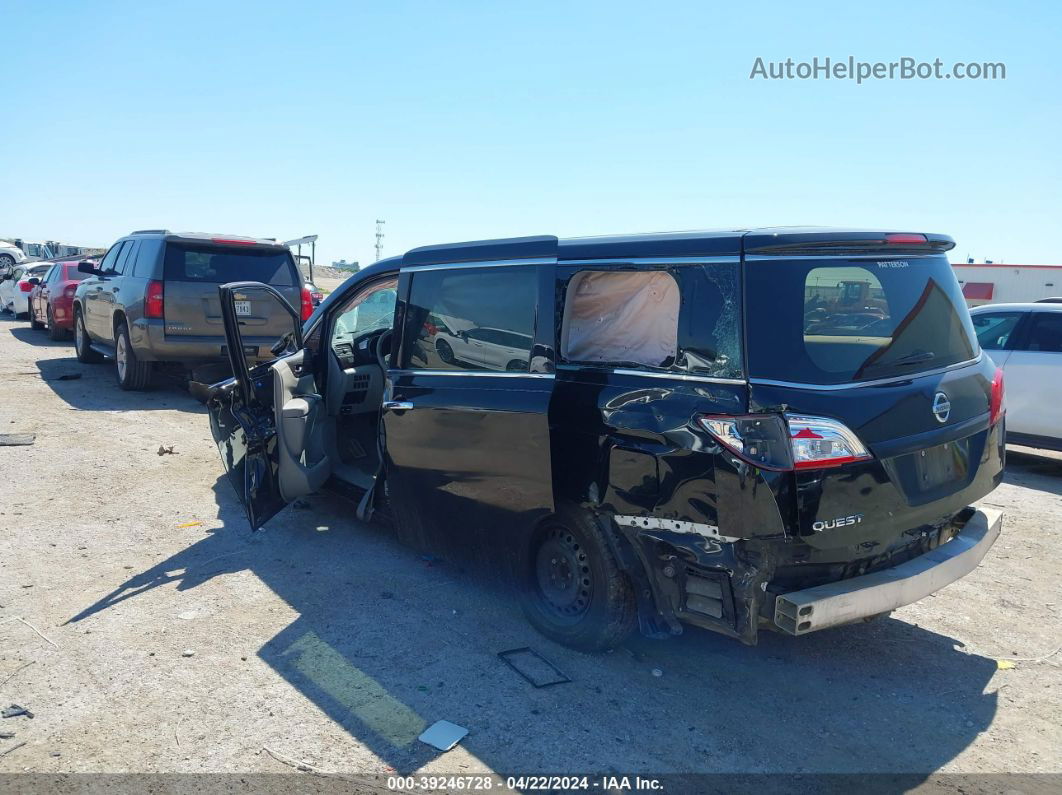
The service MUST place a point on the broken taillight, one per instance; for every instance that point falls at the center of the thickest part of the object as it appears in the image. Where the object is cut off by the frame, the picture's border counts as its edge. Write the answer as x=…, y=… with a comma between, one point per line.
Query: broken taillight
x=793, y=442
x=997, y=406
x=759, y=439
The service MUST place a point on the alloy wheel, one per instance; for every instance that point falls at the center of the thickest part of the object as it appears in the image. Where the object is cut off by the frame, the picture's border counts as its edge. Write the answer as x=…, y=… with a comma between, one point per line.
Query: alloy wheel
x=121, y=357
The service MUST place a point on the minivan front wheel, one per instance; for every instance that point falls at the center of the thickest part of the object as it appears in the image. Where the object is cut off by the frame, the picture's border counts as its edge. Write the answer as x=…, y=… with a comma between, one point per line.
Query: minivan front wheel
x=132, y=373
x=85, y=353
x=572, y=590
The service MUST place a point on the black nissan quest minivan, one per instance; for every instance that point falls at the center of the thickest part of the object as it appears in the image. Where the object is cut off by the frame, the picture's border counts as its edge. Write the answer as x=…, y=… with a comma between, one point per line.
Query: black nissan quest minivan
x=784, y=429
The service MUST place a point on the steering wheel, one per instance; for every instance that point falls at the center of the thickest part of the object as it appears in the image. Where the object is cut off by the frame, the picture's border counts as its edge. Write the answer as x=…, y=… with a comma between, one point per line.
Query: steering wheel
x=382, y=349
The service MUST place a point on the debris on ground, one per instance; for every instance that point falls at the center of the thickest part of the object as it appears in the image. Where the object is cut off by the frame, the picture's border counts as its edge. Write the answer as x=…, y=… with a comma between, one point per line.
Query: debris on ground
x=189, y=524
x=164, y=450
x=14, y=711
x=443, y=735
x=65, y=377
x=6, y=751
x=301, y=505
x=533, y=667
x=657, y=672
x=6, y=735
x=188, y=653
x=17, y=439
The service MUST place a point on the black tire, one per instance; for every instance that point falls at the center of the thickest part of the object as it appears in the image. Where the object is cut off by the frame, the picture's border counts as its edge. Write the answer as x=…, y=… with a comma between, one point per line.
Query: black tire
x=34, y=323
x=85, y=354
x=55, y=332
x=572, y=589
x=132, y=374
x=446, y=353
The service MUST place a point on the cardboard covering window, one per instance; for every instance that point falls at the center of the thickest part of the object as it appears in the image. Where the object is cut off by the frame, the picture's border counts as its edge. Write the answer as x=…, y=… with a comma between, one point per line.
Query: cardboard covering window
x=621, y=316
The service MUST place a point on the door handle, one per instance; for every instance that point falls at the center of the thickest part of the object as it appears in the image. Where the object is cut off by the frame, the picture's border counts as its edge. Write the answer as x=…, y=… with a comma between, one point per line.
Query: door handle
x=397, y=405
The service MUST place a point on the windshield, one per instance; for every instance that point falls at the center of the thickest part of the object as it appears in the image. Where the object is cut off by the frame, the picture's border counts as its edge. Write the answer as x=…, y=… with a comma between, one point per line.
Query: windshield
x=221, y=264
x=830, y=321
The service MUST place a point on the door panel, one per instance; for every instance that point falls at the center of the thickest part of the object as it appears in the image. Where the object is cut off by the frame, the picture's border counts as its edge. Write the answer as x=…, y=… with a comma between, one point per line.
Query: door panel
x=470, y=461
x=1033, y=382
x=268, y=422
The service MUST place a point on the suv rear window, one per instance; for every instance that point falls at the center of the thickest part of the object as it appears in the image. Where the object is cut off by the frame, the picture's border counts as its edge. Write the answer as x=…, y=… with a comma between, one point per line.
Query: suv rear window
x=831, y=321
x=220, y=264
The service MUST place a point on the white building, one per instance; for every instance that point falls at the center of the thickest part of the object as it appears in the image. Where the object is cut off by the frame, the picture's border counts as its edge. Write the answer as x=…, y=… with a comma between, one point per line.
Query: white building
x=994, y=283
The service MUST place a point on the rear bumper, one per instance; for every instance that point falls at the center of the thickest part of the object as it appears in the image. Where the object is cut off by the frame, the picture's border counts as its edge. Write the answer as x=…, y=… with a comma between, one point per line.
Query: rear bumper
x=152, y=343
x=811, y=609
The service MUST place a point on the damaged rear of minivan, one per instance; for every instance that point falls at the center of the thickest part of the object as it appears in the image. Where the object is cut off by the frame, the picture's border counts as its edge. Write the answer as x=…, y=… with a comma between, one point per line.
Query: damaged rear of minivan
x=832, y=477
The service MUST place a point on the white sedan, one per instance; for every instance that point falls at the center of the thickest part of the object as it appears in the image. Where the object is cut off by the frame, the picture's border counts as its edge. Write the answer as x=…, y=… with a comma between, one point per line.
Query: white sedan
x=485, y=348
x=1026, y=341
x=15, y=288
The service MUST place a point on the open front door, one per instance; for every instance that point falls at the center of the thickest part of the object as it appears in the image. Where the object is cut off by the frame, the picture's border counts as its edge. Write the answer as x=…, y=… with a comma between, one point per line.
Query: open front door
x=268, y=421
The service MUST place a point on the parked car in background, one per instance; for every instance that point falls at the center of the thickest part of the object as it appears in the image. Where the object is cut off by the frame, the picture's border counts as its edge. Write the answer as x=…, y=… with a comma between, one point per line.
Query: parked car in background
x=1026, y=341
x=154, y=298
x=10, y=256
x=52, y=301
x=678, y=429
x=16, y=287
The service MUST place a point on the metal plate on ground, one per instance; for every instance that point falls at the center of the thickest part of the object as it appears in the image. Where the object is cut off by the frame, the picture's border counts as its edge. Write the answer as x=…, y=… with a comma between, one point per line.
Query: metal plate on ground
x=533, y=667
x=443, y=735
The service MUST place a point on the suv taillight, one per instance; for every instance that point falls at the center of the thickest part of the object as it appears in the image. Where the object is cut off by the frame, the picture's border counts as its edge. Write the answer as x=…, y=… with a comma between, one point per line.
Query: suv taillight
x=307, y=303
x=795, y=442
x=154, y=302
x=997, y=406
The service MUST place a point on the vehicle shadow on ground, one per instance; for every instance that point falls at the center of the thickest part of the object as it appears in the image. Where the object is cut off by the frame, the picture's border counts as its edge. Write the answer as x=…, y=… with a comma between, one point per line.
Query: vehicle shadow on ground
x=93, y=387
x=388, y=642
x=1034, y=470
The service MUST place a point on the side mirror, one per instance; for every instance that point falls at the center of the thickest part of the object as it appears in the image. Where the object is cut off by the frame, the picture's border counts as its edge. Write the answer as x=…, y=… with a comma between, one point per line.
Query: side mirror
x=34, y=281
x=87, y=267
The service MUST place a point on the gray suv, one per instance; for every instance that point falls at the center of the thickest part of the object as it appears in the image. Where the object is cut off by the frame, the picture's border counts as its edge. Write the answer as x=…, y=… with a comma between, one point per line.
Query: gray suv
x=154, y=298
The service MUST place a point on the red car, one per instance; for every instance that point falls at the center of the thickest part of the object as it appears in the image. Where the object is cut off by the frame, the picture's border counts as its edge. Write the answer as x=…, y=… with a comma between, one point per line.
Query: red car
x=51, y=300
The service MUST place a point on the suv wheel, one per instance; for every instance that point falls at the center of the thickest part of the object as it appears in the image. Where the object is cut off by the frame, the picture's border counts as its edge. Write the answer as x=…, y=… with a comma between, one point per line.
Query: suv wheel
x=85, y=353
x=132, y=373
x=573, y=591
x=54, y=332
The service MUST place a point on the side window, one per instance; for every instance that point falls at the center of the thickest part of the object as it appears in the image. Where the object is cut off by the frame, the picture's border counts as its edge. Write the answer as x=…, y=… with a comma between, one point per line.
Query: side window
x=147, y=254
x=49, y=277
x=127, y=257
x=994, y=330
x=471, y=319
x=1046, y=332
x=621, y=318
x=371, y=309
x=108, y=261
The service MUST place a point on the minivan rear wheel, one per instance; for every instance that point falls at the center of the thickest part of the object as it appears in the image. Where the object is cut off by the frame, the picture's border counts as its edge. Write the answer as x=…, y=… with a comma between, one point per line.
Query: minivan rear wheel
x=82, y=344
x=573, y=591
x=132, y=373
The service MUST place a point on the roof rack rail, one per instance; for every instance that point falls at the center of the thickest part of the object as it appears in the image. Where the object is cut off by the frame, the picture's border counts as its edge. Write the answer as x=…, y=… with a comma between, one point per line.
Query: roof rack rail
x=150, y=232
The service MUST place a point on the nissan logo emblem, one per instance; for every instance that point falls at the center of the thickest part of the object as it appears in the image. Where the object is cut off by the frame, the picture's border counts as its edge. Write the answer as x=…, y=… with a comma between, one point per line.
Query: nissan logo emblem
x=941, y=407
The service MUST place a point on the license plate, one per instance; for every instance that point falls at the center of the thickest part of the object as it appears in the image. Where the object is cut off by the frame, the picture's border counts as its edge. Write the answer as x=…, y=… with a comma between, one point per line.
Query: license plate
x=243, y=307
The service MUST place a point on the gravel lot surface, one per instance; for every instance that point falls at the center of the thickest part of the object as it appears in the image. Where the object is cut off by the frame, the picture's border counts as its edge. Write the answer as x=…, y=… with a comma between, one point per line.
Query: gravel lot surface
x=147, y=630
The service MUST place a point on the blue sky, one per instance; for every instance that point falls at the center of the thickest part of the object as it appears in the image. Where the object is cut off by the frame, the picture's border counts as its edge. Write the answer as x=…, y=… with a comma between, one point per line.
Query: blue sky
x=464, y=120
